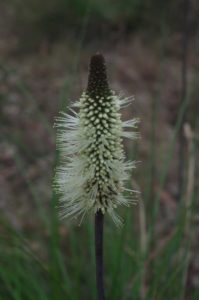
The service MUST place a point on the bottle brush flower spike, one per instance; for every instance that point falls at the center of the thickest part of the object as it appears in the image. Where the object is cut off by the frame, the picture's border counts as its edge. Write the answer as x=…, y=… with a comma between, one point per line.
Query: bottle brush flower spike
x=93, y=170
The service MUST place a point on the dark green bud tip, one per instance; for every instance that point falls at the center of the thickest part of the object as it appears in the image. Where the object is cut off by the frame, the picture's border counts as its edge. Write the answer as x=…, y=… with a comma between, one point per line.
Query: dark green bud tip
x=97, y=79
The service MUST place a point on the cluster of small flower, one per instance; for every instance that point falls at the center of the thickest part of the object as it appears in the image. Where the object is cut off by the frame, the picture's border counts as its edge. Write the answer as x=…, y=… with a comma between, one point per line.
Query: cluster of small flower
x=93, y=170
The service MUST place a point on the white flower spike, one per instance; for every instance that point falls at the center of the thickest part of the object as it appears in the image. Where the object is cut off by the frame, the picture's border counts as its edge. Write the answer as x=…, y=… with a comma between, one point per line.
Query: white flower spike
x=93, y=170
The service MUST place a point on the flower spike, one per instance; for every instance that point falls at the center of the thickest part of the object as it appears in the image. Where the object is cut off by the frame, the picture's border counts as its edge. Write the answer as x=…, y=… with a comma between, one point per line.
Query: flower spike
x=93, y=171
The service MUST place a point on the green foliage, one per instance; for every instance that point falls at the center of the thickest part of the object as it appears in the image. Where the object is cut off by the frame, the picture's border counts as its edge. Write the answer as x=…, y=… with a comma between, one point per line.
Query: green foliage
x=69, y=273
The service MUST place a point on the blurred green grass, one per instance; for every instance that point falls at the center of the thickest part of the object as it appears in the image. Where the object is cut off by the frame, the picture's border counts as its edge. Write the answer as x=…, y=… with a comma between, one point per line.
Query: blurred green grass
x=139, y=262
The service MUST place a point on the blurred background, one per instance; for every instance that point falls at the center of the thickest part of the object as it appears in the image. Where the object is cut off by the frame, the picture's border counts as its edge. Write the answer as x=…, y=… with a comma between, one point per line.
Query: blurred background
x=152, y=50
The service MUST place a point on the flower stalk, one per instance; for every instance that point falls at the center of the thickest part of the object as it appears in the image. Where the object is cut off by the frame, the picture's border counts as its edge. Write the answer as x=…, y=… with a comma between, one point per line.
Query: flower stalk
x=92, y=172
x=99, y=223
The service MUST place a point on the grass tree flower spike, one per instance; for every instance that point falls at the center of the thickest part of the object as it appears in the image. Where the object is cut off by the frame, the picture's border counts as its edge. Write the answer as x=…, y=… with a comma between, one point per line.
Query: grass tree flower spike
x=93, y=171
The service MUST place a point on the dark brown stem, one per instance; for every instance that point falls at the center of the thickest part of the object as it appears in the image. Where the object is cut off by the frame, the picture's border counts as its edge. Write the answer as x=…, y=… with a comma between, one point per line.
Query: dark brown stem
x=99, y=221
x=185, y=42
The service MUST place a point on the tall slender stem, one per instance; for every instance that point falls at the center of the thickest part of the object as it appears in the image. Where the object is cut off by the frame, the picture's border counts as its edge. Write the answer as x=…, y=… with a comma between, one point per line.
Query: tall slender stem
x=99, y=222
x=184, y=69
